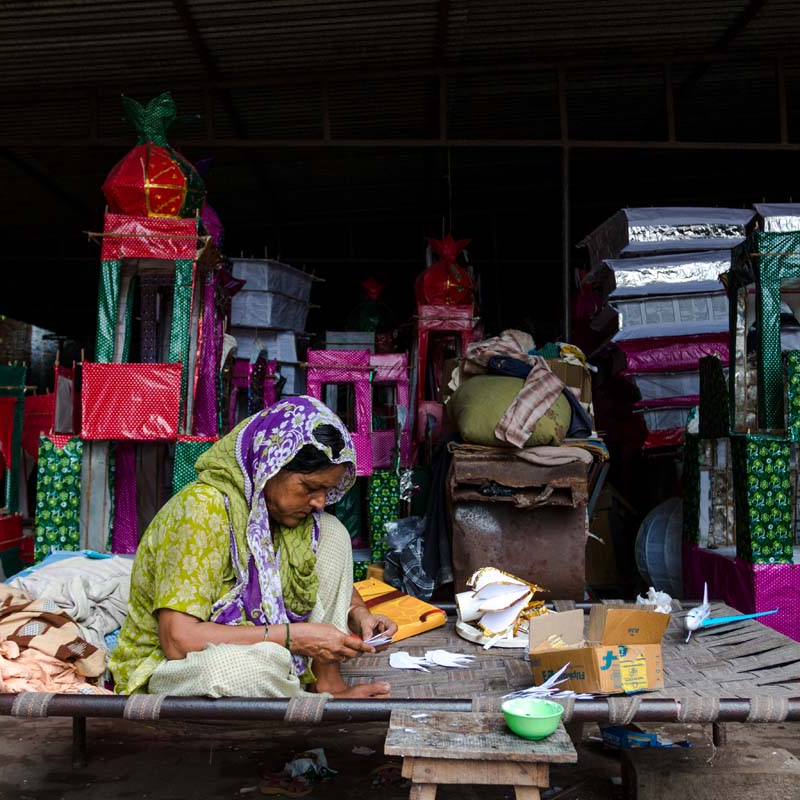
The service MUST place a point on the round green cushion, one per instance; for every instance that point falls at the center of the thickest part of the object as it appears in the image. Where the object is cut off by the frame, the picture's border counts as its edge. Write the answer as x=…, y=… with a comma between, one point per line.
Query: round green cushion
x=480, y=403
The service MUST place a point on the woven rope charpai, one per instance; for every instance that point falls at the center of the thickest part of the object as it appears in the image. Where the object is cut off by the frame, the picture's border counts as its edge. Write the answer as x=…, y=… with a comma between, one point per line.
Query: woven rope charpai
x=486, y=703
x=31, y=704
x=308, y=708
x=768, y=708
x=58, y=495
x=622, y=710
x=143, y=707
x=568, y=703
x=131, y=401
x=698, y=709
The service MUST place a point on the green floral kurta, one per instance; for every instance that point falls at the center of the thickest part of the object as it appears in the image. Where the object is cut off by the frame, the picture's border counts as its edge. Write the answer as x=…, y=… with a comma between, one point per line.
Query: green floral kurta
x=183, y=563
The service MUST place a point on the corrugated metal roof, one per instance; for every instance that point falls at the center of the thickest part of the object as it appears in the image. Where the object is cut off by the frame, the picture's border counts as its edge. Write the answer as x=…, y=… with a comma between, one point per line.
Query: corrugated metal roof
x=374, y=66
x=62, y=43
x=58, y=51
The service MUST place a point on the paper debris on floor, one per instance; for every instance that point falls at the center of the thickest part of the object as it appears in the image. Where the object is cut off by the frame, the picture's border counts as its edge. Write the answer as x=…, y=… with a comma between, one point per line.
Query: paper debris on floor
x=402, y=660
x=433, y=658
x=549, y=689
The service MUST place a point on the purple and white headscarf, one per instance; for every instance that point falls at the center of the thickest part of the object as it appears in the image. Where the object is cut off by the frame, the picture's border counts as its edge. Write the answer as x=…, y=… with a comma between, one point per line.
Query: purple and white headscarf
x=264, y=445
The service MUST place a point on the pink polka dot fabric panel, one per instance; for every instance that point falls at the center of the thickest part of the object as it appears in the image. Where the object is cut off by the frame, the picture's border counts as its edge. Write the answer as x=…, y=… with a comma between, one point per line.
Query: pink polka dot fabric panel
x=131, y=401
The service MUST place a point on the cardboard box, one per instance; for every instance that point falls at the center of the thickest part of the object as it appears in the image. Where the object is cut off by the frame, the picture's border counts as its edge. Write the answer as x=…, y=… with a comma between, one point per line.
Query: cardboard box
x=573, y=377
x=621, y=652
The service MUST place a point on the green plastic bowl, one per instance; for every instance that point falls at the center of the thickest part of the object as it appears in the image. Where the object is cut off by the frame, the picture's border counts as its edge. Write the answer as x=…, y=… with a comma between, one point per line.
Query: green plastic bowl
x=531, y=718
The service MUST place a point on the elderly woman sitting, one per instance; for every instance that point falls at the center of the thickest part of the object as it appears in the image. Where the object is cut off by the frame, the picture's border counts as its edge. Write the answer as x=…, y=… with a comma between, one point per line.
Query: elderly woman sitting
x=242, y=584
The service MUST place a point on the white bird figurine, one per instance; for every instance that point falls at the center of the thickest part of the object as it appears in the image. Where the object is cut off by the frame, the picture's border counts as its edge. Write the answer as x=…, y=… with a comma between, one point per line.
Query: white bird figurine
x=700, y=617
x=697, y=616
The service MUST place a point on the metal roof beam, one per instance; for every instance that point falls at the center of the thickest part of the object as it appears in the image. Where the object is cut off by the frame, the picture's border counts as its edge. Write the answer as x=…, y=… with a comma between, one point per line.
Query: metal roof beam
x=208, y=62
x=442, y=24
x=30, y=168
x=219, y=83
x=749, y=13
x=411, y=144
x=211, y=68
x=440, y=50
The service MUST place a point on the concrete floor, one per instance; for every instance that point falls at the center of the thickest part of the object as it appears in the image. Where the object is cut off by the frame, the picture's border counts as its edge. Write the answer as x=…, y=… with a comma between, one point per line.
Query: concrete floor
x=176, y=760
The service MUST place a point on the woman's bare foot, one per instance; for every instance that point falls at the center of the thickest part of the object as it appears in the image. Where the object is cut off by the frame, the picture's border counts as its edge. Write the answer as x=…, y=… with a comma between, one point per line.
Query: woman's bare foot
x=329, y=679
x=379, y=689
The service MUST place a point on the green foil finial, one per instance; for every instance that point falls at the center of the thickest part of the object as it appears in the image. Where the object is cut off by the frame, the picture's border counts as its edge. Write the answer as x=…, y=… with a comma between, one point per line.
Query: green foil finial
x=153, y=120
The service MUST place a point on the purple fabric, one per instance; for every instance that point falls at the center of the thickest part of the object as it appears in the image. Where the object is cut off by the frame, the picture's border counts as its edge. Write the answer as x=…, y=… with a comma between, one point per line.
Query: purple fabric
x=213, y=225
x=269, y=384
x=266, y=443
x=205, y=408
x=778, y=586
x=746, y=587
x=729, y=579
x=677, y=354
x=689, y=401
x=125, y=538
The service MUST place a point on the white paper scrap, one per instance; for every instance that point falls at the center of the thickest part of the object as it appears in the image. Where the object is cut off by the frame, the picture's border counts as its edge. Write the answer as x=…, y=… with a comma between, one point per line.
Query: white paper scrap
x=498, y=622
x=443, y=658
x=497, y=589
x=378, y=640
x=402, y=660
x=549, y=689
x=489, y=575
x=503, y=600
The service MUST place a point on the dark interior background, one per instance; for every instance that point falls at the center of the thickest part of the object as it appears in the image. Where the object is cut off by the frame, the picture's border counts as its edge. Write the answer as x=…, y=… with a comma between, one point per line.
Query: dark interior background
x=344, y=133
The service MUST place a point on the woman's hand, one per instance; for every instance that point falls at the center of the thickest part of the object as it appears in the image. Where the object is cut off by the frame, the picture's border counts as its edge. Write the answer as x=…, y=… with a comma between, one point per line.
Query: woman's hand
x=367, y=624
x=325, y=643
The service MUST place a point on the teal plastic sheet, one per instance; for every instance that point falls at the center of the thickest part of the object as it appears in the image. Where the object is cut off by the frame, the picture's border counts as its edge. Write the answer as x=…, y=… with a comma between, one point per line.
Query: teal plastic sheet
x=13, y=378
x=776, y=258
x=181, y=317
x=186, y=455
x=107, y=310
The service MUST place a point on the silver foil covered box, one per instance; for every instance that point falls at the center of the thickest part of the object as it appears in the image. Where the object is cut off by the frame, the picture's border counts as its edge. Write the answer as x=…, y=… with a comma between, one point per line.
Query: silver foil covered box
x=640, y=231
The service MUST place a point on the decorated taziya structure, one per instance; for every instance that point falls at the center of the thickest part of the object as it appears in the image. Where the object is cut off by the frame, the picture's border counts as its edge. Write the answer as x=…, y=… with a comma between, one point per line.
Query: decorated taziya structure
x=130, y=424
x=741, y=475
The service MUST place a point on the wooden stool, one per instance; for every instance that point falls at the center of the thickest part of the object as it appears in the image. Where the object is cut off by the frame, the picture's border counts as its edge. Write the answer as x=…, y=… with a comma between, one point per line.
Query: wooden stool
x=450, y=747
